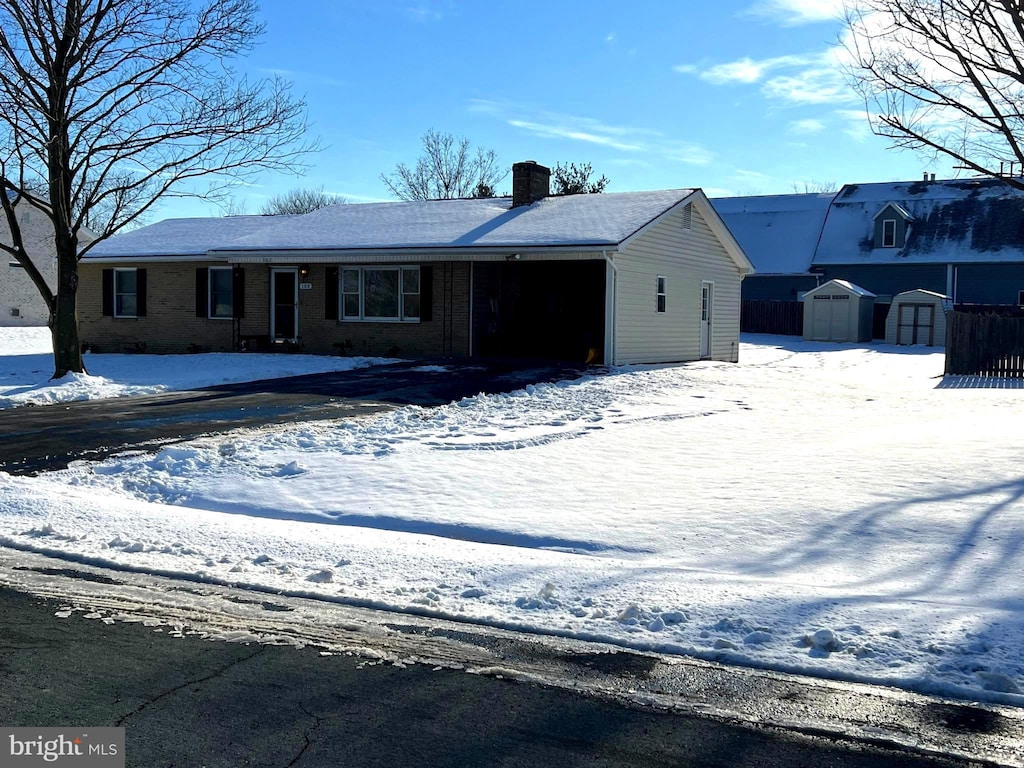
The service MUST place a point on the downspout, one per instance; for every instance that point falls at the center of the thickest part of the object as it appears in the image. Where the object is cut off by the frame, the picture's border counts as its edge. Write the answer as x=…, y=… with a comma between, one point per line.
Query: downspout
x=470, y=309
x=611, y=300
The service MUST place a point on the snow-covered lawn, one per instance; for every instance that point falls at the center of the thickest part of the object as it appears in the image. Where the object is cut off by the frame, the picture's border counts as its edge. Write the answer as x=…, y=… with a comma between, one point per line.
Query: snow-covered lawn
x=831, y=509
x=26, y=364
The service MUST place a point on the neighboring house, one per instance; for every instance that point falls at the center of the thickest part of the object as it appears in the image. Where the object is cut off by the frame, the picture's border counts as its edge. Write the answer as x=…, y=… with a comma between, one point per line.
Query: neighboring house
x=20, y=300
x=616, y=278
x=779, y=234
x=959, y=238
x=963, y=239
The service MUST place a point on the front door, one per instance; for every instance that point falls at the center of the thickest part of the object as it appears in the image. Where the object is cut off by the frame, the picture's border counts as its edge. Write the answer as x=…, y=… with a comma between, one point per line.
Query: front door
x=284, y=303
x=707, y=303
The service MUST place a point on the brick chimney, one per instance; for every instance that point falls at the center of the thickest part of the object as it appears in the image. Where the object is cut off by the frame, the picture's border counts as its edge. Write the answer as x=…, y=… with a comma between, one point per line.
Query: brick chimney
x=530, y=182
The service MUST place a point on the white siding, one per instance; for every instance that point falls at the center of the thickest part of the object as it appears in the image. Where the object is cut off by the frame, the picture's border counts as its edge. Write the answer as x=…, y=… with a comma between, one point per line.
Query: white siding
x=17, y=291
x=685, y=258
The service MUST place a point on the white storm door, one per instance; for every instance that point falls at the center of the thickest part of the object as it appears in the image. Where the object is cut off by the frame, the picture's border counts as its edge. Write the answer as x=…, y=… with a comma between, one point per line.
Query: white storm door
x=707, y=303
x=284, y=304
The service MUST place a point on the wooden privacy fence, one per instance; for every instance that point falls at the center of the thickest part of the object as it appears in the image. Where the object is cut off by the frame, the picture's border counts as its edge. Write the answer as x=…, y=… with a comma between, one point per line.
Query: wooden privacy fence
x=984, y=345
x=782, y=317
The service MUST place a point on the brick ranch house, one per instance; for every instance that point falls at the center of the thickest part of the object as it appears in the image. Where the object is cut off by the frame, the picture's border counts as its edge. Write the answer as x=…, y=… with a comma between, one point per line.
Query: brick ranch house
x=619, y=278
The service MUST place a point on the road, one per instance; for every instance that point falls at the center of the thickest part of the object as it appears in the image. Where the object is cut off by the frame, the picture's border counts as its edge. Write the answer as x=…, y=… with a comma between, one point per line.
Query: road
x=370, y=688
x=42, y=438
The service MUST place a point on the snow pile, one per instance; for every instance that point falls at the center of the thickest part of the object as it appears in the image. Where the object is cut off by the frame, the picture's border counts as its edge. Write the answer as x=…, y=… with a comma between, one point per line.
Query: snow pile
x=26, y=364
x=828, y=509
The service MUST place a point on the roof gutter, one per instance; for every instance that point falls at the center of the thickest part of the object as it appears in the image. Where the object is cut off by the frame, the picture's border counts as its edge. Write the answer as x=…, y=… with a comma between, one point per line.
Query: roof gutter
x=585, y=251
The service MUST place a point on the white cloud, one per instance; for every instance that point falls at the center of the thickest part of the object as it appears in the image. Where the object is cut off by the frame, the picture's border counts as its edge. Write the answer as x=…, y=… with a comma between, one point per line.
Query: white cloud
x=806, y=126
x=812, y=78
x=691, y=154
x=792, y=13
x=747, y=70
x=745, y=175
x=568, y=132
x=858, y=123
x=639, y=142
x=811, y=86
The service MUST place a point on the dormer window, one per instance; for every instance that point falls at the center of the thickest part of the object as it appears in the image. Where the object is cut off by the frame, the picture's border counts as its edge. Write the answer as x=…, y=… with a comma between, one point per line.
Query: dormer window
x=889, y=233
x=892, y=225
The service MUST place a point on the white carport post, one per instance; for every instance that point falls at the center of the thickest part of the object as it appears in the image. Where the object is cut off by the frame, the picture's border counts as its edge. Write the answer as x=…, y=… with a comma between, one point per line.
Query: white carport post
x=611, y=273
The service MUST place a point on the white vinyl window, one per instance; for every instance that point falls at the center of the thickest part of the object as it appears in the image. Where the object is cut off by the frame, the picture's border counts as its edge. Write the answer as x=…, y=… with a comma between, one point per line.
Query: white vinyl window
x=889, y=233
x=221, y=293
x=662, y=293
x=380, y=294
x=126, y=293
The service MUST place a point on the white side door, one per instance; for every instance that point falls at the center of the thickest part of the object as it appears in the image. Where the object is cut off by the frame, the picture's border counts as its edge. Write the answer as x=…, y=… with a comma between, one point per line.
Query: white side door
x=707, y=305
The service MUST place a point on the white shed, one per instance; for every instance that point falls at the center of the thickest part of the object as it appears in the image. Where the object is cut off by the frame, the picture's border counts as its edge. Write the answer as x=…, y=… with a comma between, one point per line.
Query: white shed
x=917, y=317
x=838, y=311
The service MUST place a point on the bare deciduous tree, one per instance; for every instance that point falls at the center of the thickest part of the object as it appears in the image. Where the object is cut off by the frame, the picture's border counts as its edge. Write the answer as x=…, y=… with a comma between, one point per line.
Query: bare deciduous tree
x=944, y=76
x=813, y=187
x=572, y=179
x=112, y=105
x=300, y=201
x=448, y=168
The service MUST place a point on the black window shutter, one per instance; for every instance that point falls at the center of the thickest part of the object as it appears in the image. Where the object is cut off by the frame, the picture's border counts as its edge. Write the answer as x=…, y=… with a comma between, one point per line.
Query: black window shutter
x=202, y=288
x=140, y=293
x=331, y=294
x=426, y=293
x=108, y=293
x=238, y=292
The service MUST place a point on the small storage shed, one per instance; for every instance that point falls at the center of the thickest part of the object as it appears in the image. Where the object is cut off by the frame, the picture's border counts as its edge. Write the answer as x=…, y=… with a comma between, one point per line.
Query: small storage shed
x=917, y=317
x=838, y=311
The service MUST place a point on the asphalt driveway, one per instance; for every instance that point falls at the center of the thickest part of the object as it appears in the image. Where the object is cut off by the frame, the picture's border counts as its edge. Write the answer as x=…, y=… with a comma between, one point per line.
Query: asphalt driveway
x=42, y=438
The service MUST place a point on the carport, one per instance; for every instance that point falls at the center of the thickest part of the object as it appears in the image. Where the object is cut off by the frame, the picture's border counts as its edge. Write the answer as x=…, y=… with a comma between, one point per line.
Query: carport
x=539, y=309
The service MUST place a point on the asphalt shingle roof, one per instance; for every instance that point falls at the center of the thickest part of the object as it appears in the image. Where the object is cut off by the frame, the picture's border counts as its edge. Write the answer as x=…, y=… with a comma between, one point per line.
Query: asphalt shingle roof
x=585, y=220
x=952, y=221
x=777, y=232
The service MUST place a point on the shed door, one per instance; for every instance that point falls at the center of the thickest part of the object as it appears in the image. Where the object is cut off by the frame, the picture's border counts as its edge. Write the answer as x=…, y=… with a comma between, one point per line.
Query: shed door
x=915, y=324
x=830, y=317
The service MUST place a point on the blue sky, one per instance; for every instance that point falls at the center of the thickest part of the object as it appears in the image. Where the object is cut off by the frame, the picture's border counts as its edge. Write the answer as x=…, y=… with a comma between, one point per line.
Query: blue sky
x=736, y=96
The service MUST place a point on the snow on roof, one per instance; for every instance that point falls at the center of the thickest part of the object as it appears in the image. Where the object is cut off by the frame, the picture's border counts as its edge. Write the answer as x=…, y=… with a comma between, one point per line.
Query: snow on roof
x=778, y=232
x=933, y=294
x=953, y=221
x=846, y=284
x=590, y=220
x=183, y=237
x=893, y=205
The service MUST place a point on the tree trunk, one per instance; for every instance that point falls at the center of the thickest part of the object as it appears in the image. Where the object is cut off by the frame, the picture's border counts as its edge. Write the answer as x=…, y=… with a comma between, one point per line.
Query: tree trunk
x=67, y=351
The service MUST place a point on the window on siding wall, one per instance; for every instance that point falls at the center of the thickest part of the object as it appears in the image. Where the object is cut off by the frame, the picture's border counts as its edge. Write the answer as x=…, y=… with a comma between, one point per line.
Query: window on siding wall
x=221, y=294
x=126, y=293
x=889, y=233
x=380, y=294
x=662, y=293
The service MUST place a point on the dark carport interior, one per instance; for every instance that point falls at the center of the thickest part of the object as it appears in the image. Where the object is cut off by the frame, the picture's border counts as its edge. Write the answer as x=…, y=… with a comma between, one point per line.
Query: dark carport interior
x=541, y=309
